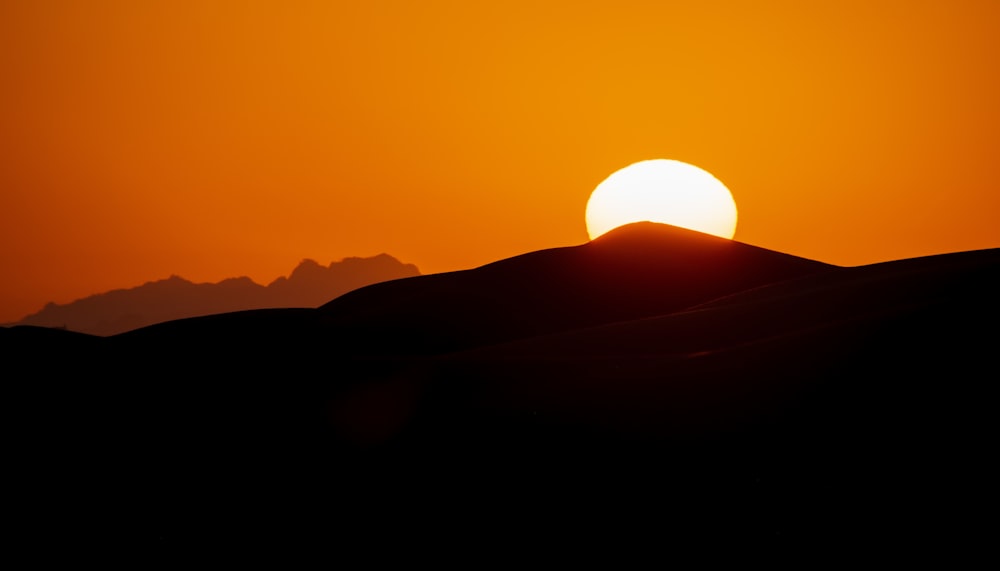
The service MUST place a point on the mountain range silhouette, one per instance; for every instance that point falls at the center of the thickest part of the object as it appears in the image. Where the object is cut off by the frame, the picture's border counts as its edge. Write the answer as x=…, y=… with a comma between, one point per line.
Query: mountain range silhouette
x=651, y=390
x=309, y=285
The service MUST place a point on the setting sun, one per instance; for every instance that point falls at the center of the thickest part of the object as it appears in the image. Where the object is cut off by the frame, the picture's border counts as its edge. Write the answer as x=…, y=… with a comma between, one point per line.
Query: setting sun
x=666, y=191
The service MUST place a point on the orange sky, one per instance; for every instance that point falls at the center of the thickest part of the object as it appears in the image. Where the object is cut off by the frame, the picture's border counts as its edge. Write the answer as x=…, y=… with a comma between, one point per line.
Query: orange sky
x=218, y=139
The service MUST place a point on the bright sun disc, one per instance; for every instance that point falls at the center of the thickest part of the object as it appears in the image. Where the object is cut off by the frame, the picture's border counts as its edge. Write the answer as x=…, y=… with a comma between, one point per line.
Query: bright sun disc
x=665, y=191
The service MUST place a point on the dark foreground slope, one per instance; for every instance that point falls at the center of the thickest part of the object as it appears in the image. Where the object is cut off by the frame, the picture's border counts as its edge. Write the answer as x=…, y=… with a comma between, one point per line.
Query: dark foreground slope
x=646, y=391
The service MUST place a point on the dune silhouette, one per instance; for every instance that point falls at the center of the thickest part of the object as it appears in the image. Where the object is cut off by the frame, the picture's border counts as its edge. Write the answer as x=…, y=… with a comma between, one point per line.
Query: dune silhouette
x=654, y=383
x=638, y=270
x=309, y=285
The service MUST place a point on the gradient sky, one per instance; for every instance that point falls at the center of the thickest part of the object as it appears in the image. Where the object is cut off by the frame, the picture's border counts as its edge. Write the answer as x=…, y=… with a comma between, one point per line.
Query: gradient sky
x=210, y=139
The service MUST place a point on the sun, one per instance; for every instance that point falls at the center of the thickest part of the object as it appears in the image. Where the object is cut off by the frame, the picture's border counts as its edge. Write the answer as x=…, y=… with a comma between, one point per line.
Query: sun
x=666, y=191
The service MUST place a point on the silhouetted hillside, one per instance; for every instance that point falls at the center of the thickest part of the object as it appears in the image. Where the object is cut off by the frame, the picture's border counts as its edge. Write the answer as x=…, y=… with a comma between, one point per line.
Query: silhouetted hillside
x=635, y=271
x=653, y=390
x=309, y=285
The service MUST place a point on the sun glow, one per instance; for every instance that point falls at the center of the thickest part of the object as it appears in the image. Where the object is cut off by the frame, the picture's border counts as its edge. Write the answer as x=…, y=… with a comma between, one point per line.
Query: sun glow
x=666, y=191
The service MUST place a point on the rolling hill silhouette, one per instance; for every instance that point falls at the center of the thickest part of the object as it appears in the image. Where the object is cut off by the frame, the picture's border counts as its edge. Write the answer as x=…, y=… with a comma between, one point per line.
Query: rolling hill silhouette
x=654, y=388
x=309, y=285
